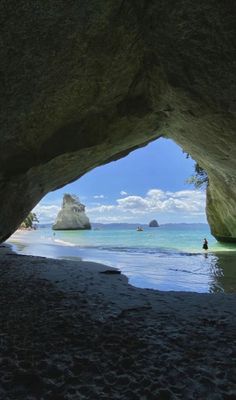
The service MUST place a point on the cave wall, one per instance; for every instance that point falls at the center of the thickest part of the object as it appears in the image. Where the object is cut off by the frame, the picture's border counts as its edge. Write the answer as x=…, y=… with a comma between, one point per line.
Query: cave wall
x=84, y=83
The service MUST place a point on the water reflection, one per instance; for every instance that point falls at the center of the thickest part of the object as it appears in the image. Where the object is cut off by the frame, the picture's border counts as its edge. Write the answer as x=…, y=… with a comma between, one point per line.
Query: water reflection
x=164, y=270
x=222, y=273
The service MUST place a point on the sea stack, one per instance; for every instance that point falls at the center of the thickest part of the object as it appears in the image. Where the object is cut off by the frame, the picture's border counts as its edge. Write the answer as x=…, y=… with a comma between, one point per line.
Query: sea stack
x=153, y=224
x=72, y=215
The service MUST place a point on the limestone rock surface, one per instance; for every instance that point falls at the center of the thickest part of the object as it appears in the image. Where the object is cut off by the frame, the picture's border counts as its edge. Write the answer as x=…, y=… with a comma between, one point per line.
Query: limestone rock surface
x=87, y=83
x=153, y=224
x=72, y=215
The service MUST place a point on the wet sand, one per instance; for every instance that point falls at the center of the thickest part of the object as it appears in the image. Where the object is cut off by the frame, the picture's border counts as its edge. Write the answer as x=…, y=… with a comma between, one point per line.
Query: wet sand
x=78, y=330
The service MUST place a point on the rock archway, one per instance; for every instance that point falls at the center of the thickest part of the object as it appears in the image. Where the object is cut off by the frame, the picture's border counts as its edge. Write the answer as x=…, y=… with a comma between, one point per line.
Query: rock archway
x=84, y=83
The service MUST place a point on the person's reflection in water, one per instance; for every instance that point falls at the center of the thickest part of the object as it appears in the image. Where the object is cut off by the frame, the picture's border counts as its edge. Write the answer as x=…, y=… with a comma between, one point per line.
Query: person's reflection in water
x=224, y=272
x=220, y=271
x=215, y=274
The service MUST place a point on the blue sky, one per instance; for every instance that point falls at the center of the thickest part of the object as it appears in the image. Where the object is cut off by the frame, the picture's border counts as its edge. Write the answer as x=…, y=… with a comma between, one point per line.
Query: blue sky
x=148, y=183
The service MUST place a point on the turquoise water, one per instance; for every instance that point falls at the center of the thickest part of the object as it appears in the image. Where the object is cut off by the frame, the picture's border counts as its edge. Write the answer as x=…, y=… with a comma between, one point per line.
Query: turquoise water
x=184, y=238
x=166, y=258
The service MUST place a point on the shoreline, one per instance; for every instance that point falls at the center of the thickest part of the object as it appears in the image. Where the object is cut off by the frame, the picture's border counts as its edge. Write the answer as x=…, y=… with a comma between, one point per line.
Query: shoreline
x=20, y=234
x=73, y=330
x=201, y=272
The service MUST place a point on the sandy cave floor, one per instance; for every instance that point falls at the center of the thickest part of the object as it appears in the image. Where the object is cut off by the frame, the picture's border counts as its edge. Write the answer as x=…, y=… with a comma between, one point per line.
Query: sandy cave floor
x=70, y=331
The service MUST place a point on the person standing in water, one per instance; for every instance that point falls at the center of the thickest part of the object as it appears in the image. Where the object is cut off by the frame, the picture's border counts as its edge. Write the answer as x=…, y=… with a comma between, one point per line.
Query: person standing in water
x=205, y=244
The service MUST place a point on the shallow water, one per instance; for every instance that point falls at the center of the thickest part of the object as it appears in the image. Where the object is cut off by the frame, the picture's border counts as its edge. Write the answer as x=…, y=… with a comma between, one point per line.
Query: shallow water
x=166, y=258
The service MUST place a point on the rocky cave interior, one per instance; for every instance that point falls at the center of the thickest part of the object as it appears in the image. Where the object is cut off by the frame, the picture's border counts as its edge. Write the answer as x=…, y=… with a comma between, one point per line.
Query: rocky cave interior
x=89, y=83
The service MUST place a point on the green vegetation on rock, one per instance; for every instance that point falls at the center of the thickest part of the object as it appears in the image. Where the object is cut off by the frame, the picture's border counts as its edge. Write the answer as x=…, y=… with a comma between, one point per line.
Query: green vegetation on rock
x=29, y=221
x=200, y=178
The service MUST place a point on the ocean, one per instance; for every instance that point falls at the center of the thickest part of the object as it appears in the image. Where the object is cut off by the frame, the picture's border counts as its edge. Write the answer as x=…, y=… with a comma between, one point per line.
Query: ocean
x=169, y=257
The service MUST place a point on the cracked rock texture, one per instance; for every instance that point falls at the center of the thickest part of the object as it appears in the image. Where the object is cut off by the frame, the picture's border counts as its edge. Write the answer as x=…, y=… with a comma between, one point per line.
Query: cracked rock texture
x=72, y=215
x=84, y=83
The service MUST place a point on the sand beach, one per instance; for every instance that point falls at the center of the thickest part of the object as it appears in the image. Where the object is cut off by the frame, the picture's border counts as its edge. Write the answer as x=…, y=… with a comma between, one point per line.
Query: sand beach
x=78, y=330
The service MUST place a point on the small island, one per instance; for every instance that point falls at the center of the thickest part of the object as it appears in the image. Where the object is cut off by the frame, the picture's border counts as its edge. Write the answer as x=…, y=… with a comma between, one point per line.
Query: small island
x=153, y=224
x=72, y=215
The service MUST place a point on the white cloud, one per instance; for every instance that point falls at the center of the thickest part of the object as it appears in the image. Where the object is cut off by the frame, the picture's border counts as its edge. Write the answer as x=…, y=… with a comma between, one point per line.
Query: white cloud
x=108, y=219
x=101, y=208
x=157, y=194
x=99, y=196
x=46, y=213
x=123, y=193
x=165, y=205
x=159, y=201
x=133, y=204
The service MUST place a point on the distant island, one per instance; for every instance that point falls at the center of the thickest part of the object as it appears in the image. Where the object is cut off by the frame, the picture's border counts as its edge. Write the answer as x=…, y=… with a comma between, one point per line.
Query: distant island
x=153, y=224
x=126, y=225
x=121, y=225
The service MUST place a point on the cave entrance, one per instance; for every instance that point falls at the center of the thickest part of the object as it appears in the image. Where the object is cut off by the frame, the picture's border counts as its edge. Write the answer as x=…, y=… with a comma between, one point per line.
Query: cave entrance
x=148, y=184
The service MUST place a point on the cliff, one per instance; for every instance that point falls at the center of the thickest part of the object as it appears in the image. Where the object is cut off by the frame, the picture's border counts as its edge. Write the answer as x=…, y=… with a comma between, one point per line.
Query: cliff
x=72, y=215
x=86, y=84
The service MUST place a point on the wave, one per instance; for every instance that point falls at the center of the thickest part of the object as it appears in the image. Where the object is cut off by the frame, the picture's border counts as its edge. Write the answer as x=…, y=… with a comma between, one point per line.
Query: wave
x=158, y=251
x=196, y=272
x=64, y=243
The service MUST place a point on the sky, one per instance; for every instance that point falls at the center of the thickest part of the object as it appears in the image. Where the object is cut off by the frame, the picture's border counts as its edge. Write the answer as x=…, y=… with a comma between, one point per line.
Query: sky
x=149, y=183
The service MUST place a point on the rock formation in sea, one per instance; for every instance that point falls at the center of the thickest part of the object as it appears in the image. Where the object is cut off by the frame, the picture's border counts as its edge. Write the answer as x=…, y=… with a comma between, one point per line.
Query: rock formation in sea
x=72, y=215
x=153, y=224
x=87, y=84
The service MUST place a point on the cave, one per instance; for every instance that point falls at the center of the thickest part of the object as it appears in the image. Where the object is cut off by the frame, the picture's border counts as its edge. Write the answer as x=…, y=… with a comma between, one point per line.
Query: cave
x=88, y=82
